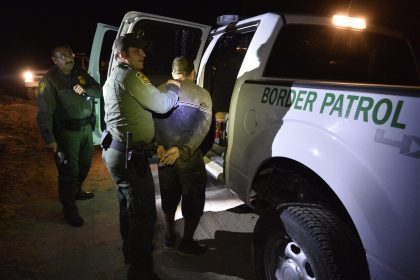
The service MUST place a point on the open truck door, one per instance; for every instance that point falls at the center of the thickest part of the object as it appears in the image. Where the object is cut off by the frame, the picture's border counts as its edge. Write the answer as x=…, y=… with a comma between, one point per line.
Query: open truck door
x=170, y=38
x=100, y=55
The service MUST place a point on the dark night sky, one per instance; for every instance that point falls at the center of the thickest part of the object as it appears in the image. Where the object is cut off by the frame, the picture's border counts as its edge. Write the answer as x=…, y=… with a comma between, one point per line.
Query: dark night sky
x=29, y=30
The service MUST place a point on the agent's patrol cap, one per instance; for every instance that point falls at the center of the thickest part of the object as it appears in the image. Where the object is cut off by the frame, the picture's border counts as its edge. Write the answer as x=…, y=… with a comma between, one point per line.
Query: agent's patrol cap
x=134, y=40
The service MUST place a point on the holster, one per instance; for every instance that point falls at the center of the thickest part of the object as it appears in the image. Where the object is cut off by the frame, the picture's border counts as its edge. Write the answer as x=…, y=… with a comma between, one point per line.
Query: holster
x=93, y=121
x=139, y=159
x=106, y=139
x=57, y=129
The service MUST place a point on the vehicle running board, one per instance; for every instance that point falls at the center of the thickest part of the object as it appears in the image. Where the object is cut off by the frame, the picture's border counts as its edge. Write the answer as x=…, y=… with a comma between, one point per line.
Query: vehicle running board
x=214, y=167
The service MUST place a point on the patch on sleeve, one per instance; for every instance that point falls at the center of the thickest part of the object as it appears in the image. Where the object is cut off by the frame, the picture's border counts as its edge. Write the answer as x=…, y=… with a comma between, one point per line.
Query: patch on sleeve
x=82, y=81
x=143, y=78
x=42, y=86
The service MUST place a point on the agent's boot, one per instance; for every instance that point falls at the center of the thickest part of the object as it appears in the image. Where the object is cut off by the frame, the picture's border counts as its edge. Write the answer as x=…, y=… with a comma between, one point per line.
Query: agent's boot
x=75, y=221
x=71, y=215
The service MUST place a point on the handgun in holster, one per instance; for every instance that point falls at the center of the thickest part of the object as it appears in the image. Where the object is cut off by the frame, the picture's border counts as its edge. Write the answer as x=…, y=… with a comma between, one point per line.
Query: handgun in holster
x=136, y=157
x=129, y=138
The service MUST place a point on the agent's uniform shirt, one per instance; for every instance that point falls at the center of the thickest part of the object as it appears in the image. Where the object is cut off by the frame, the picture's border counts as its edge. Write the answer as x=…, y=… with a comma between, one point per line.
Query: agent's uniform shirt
x=57, y=100
x=129, y=99
x=187, y=125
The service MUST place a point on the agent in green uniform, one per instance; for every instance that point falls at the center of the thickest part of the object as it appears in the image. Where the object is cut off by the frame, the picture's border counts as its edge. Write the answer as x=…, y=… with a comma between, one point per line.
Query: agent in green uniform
x=129, y=99
x=65, y=119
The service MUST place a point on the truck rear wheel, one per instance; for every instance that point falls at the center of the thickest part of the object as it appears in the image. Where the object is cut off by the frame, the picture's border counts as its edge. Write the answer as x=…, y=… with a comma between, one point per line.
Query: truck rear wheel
x=305, y=242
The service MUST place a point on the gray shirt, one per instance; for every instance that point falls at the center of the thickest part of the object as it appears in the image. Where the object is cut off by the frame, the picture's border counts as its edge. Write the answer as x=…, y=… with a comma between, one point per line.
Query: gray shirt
x=187, y=125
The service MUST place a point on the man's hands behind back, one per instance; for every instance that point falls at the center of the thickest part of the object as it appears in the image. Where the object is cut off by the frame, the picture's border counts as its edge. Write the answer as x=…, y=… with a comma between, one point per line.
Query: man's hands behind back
x=167, y=157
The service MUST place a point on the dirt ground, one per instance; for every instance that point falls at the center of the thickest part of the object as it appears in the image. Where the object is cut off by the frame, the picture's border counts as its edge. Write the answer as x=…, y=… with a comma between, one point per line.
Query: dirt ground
x=36, y=243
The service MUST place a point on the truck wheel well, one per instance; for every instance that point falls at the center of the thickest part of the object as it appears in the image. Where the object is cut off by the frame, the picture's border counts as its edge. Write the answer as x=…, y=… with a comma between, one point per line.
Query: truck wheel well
x=284, y=181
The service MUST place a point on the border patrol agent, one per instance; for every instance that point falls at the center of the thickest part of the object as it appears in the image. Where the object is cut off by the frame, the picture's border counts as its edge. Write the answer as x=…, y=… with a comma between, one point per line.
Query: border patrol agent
x=129, y=99
x=66, y=119
x=182, y=132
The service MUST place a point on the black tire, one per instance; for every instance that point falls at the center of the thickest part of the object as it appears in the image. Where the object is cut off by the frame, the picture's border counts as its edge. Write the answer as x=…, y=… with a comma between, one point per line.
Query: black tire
x=307, y=242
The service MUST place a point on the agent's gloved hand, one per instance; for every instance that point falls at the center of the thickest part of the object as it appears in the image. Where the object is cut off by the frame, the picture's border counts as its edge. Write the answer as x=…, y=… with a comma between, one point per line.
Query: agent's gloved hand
x=173, y=86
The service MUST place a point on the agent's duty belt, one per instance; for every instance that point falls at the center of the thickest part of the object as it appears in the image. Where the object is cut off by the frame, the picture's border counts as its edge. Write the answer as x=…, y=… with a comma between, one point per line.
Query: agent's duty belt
x=121, y=146
x=77, y=124
x=117, y=145
x=108, y=142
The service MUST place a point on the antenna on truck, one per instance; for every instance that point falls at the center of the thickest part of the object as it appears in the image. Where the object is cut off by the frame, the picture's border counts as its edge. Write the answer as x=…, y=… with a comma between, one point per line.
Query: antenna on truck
x=348, y=8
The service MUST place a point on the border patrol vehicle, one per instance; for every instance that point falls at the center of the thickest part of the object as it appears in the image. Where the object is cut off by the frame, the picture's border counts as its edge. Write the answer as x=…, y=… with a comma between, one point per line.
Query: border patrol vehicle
x=318, y=129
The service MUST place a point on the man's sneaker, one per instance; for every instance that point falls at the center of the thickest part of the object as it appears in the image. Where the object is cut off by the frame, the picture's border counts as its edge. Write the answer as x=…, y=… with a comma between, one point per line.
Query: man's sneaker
x=191, y=248
x=169, y=242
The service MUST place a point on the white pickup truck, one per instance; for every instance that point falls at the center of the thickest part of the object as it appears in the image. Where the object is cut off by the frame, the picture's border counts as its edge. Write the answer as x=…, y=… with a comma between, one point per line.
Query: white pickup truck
x=322, y=135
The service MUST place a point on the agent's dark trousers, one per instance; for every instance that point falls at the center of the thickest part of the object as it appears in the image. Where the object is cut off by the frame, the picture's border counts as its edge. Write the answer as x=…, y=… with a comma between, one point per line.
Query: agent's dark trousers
x=136, y=196
x=77, y=147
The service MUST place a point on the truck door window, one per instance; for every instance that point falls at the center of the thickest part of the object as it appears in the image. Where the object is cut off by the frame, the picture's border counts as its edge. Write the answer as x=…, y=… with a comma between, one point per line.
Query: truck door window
x=223, y=66
x=327, y=53
x=105, y=55
x=220, y=75
x=104, y=58
x=168, y=41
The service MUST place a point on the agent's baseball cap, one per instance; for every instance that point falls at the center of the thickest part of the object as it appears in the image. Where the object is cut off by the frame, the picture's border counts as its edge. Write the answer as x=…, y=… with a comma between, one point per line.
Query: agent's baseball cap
x=134, y=40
